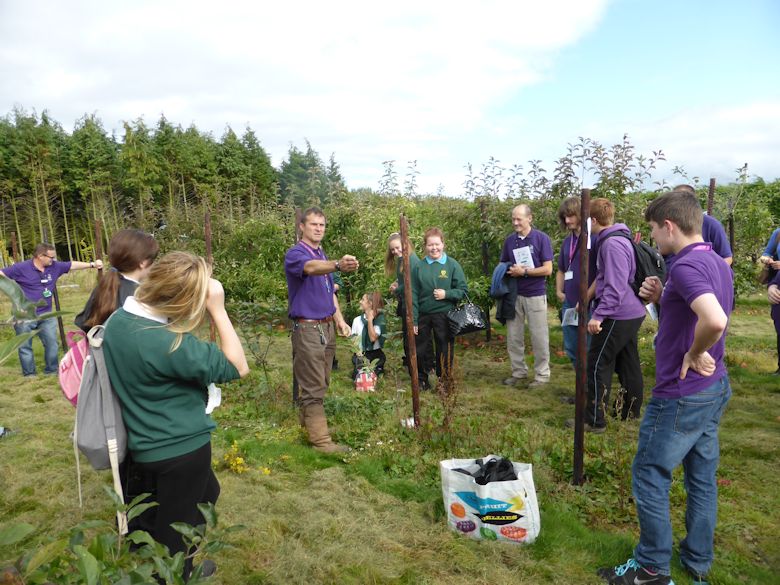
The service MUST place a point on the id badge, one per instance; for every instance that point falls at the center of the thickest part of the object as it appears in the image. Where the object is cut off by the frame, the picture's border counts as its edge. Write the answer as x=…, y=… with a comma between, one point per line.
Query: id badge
x=46, y=293
x=568, y=275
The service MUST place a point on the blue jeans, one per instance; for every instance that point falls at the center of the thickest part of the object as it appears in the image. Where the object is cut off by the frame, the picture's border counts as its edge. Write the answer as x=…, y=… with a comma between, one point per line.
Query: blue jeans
x=570, y=336
x=47, y=331
x=673, y=432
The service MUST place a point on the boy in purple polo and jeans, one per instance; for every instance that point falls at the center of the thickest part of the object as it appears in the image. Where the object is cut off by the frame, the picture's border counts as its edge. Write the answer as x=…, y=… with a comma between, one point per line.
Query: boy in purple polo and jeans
x=681, y=421
x=37, y=278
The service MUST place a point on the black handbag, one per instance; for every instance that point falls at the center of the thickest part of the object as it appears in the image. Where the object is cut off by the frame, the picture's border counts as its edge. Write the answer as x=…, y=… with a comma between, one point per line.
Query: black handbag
x=466, y=319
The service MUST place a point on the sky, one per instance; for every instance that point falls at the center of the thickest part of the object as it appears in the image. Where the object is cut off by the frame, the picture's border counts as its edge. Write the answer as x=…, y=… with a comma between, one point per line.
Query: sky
x=445, y=84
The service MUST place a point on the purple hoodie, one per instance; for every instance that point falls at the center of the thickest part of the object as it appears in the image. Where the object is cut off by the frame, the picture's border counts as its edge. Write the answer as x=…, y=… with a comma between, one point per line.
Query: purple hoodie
x=616, y=266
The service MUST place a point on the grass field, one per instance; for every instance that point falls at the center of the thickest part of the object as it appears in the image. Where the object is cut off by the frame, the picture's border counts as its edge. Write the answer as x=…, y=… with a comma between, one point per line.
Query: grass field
x=375, y=516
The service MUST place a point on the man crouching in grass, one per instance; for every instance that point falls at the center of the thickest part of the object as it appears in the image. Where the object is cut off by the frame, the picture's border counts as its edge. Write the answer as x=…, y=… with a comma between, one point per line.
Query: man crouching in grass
x=681, y=421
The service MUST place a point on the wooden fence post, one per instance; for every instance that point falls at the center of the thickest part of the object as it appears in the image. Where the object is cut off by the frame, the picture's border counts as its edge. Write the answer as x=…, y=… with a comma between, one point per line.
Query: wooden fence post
x=410, y=338
x=582, y=344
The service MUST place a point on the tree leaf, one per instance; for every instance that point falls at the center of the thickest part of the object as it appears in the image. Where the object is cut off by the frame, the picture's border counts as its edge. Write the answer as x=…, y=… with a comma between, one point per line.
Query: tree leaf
x=15, y=533
x=45, y=555
x=87, y=565
x=21, y=308
x=139, y=509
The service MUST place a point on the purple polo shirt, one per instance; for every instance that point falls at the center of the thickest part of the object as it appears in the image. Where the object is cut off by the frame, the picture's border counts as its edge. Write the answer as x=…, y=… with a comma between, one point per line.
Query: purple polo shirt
x=309, y=297
x=541, y=252
x=37, y=285
x=569, y=259
x=712, y=231
x=697, y=270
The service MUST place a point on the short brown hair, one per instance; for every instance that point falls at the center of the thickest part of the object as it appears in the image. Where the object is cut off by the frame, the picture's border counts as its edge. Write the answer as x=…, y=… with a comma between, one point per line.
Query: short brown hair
x=42, y=248
x=684, y=189
x=431, y=232
x=679, y=207
x=314, y=210
x=603, y=211
x=569, y=206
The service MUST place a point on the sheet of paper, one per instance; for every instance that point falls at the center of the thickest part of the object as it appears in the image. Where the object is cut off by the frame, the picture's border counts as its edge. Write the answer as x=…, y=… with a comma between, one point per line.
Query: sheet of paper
x=523, y=257
x=652, y=311
x=570, y=317
x=215, y=398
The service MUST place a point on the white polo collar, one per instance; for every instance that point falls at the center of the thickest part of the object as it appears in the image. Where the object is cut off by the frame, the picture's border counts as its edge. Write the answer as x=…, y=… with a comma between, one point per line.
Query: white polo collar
x=133, y=307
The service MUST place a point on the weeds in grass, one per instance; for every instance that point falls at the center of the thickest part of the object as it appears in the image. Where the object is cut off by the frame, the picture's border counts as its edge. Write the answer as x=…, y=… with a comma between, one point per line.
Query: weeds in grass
x=95, y=551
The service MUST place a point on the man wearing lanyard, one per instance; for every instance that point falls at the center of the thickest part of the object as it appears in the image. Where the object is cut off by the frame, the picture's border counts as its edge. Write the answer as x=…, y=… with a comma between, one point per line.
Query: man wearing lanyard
x=529, y=253
x=567, y=278
x=315, y=314
x=682, y=419
x=37, y=278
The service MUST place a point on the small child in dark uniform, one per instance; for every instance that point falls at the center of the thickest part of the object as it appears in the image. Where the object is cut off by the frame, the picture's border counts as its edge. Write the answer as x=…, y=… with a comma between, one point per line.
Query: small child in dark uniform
x=370, y=329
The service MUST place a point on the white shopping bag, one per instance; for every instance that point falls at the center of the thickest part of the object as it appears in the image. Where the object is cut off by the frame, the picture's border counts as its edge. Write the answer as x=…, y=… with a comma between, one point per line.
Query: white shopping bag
x=499, y=510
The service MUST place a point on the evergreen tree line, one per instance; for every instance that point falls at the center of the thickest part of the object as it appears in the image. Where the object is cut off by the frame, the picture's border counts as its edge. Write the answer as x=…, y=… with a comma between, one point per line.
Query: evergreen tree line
x=55, y=186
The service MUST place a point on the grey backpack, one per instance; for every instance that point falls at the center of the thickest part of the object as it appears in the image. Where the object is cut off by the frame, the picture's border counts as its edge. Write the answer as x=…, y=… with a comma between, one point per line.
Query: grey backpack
x=100, y=431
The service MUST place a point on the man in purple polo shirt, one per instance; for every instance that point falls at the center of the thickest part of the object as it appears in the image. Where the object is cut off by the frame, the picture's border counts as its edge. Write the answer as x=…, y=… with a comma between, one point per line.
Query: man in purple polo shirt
x=617, y=315
x=314, y=311
x=711, y=230
x=529, y=253
x=681, y=421
x=37, y=278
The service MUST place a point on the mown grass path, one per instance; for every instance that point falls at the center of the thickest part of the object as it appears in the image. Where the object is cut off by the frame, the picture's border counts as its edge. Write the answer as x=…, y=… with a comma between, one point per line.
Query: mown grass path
x=375, y=515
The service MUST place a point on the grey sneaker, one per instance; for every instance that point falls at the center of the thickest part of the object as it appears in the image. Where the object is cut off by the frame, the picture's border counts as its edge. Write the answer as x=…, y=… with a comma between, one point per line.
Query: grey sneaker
x=514, y=381
x=538, y=383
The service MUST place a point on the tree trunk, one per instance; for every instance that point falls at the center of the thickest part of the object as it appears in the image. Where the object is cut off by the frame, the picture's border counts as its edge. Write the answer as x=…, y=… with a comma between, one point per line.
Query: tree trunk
x=18, y=229
x=47, y=204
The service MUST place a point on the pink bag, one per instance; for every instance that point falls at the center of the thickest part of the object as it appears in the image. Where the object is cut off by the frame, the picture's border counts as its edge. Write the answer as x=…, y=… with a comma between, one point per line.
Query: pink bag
x=365, y=382
x=72, y=365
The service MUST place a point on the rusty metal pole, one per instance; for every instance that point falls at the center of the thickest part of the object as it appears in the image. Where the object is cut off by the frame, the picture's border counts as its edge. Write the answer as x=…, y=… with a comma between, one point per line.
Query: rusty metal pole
x=14, y=248
x=210, y=261
x=410, y=339
x=582, y=345
x=710, y=196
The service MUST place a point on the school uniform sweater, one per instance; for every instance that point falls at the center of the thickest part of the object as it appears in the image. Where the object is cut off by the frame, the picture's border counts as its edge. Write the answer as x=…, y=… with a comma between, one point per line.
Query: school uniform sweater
x=427, y=277
x=163, y=393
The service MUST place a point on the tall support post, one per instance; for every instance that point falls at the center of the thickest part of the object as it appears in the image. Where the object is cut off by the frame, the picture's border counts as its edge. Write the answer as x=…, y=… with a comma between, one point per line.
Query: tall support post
x=210, y=262
x=582, y=344
x=410, y=339
x=710, y=196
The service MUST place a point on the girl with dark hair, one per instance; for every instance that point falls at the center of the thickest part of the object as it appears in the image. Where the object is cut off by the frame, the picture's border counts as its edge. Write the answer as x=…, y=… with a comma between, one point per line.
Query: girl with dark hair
x=130, y=253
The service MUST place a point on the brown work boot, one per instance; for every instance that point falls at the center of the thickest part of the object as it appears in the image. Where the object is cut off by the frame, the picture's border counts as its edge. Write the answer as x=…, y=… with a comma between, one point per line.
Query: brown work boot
x=317, y=427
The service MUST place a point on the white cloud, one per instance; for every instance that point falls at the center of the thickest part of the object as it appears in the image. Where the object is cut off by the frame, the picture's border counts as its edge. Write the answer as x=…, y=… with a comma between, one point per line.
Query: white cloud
x=370, y=82
x=715, y=141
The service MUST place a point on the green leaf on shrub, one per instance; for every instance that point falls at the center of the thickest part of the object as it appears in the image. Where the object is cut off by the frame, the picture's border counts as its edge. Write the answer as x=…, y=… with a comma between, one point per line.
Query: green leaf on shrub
x=45, y=555
x=139, y=509
x=141, y=537
x=209, y=513
x=87, y=565
x=15, y=533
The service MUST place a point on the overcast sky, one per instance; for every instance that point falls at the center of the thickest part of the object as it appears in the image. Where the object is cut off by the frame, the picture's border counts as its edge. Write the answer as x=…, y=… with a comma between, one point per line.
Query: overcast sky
x=443, y=83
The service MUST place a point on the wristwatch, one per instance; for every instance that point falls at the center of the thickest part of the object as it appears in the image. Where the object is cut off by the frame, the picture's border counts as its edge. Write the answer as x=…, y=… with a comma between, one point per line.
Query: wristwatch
x=337, y=266
x=525, y=275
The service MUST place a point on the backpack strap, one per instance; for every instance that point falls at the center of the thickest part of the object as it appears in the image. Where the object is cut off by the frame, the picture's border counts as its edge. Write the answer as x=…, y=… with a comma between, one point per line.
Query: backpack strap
x=95, y=337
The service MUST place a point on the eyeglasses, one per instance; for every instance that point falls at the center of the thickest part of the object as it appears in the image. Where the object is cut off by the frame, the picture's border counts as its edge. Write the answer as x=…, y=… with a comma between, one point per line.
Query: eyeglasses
x=50, y=257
